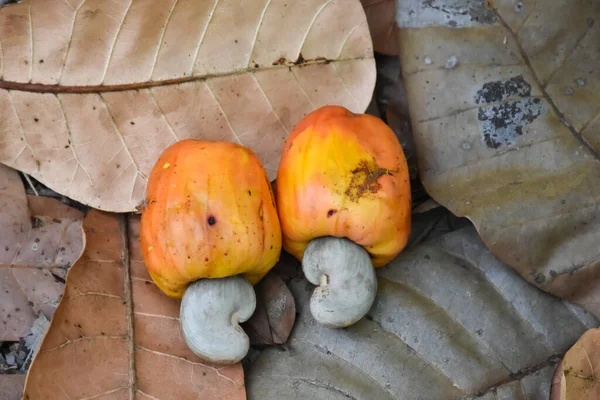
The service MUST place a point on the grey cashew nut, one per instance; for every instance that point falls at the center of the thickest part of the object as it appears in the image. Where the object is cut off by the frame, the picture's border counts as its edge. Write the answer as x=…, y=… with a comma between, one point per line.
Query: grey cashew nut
x=210, y=313
x=346, y=278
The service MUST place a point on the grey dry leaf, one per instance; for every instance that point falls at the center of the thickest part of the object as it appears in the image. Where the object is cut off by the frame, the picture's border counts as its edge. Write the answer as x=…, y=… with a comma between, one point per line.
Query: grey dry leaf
x=91, y=92
x=508, y=133
x=449, y=321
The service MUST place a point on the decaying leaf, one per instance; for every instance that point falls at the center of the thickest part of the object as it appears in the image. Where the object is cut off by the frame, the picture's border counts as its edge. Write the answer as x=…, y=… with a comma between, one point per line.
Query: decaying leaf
x=449, y=321
x=11, y=387
x=91, y=92
x=275, y=312
x=577, y=376
x=115, y=335
x=505, y=107
x=381, y=15
x=39, y=240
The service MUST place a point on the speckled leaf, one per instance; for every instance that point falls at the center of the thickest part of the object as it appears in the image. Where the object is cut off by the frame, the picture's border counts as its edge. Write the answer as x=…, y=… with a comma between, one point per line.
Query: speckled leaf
x=91, y=92
x=449, y=321
x=40, y=238
x=577, y=376
x=505, y=107
x=115, y=335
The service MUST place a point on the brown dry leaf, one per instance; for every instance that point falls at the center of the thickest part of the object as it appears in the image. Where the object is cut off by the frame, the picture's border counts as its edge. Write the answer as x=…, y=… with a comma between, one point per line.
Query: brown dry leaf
x=115, y=335
x=275, y=312
x=38, y=243
x=91, y=92
x=505, y=107
x=577, y=376
x=381, y=15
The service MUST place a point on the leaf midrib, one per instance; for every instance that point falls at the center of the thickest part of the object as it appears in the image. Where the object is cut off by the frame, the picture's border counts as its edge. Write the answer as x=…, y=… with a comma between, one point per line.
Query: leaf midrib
x=46, y=88
x=128, y=300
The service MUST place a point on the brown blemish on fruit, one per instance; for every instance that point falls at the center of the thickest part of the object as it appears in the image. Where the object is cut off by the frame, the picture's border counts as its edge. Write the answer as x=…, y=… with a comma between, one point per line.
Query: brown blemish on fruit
x=365, y=179
x=330, y=213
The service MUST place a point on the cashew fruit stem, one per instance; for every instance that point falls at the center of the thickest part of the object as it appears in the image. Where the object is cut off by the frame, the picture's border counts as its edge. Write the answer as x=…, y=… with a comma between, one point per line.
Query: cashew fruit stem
x=210, y=313
x=346, y=280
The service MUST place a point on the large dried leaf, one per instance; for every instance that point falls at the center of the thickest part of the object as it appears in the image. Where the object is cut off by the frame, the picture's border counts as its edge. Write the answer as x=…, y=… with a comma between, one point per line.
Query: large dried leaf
x=38, y=243
x=577, y=376
x=505, y=107
x=91, y=92
x=115, y=335
x=449, y=320
x=381, y=15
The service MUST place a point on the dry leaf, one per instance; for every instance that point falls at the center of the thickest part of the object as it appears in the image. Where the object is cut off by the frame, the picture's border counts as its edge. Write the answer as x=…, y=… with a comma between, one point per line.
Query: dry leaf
x=38, y=243
x=449, y=320
x=506, y=119
x=11, y=387
x=91, y=92
x=115, y=335
x=275, y=312
x=577, y=376
x=381, y=15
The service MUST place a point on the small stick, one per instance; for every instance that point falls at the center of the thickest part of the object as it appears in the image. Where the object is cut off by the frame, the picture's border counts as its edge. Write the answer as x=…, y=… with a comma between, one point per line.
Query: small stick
x=30, y=184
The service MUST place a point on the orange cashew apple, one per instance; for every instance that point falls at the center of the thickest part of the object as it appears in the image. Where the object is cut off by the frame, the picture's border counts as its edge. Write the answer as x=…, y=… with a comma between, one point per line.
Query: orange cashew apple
x=343, y=197
x=209, y=232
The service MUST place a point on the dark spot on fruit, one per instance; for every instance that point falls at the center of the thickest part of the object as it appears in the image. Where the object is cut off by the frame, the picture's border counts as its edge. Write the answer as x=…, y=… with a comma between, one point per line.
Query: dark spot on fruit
x=36, y=119
x=330, y=213
x=212, y=220
x=204, y=373
x=206, y=259
x=365, y=179
x=249, y=193
x=256, y=65
x=279, y=61
x=37, y=240
x=17, y=309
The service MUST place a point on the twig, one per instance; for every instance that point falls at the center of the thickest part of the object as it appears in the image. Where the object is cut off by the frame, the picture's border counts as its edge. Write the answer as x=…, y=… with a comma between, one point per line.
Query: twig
x=30, y=184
